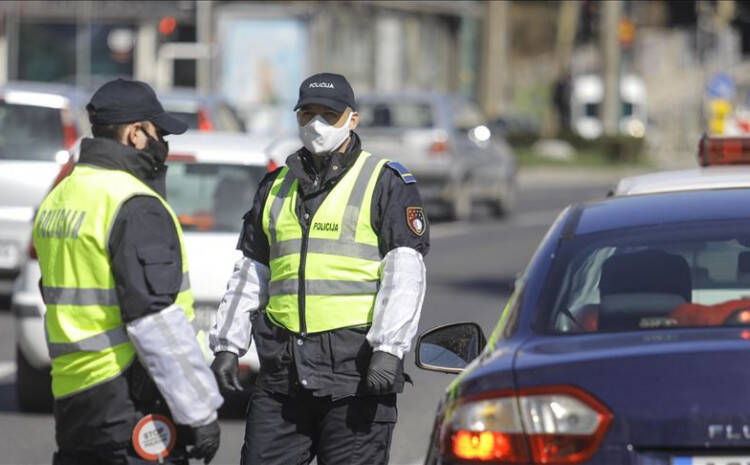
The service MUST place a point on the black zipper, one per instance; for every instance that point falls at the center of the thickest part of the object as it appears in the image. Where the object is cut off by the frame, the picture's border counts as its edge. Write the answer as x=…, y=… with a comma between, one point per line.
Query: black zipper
x=301, y=288
x=305, y=223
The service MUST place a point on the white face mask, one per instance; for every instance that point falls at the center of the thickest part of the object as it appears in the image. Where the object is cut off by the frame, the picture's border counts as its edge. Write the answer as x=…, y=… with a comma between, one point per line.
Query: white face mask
x=320, y=137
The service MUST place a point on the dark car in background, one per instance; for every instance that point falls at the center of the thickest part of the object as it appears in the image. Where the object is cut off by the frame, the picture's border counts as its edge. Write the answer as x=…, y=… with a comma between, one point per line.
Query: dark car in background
x=626, y=341
x=446, y=143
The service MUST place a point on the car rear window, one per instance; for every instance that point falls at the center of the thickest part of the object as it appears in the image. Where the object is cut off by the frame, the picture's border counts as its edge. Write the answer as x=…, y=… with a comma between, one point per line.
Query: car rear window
x=466, y=115
x=591, y=110
x=405, y=115
x=697, y=275
x=187, y=117
x=211, y=196
x=30, y=132
x=227, y=119
x=224, y=118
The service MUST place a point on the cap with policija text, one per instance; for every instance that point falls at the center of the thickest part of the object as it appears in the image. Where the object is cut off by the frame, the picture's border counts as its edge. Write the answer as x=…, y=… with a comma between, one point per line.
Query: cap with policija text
x=329, y=89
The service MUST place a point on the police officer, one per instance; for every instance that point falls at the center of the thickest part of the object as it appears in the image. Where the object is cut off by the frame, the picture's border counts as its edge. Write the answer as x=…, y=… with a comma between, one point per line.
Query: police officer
x=119, y=305
x=331, y=286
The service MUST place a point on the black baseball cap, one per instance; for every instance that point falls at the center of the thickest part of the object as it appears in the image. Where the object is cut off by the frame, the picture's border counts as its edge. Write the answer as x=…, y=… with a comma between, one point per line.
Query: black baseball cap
x=329, y=89
x=122, y=101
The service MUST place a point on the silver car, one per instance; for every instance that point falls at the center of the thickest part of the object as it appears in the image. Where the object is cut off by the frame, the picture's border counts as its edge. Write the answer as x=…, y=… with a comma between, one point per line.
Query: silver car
x=39, y=124
x=444, y=141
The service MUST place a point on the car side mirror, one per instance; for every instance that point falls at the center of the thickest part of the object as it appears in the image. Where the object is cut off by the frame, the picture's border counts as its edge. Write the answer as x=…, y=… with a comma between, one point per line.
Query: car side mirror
x=450, y=348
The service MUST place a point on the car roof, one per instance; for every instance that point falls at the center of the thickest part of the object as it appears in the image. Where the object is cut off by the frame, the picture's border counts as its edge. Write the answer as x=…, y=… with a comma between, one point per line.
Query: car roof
x=660, y=209
x=73, y=94
x=221, y=147
x=710, y=177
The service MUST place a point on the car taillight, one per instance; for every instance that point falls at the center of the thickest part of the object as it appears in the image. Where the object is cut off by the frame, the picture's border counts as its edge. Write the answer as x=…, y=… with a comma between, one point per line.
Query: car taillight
x=551, y=425
x=439, y=146
x=181, y=157
x=64, y=171
x=271, y=166
x=70, y=133
x=203, y=221
x=204, y=122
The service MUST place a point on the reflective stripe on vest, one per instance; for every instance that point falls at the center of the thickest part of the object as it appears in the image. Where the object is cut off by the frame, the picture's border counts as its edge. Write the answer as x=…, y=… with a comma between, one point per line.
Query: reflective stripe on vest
x=342, y=259
x=86, y=336
x=83, y=297
x=90, y=296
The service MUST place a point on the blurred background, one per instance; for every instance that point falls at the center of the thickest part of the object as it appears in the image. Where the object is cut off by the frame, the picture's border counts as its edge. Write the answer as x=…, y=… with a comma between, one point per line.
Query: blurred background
x=652, y=71
x=505, y=111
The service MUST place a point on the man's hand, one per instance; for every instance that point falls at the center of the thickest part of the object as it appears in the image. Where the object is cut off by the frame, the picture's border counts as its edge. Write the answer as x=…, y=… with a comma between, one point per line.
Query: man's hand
x=205, y=442
x=385, y=369
x=226, y=368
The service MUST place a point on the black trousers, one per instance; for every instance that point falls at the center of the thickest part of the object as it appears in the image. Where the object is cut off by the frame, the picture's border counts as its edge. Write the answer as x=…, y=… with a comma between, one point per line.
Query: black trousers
x=292, y=430
x=124, y=456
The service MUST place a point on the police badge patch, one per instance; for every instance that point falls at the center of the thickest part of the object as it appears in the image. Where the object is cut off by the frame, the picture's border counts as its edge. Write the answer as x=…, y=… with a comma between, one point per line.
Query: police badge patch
x=416, y=220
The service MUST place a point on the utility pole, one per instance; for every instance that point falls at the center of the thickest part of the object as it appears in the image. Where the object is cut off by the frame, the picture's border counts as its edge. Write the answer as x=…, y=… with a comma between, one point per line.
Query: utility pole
x=12, y=38
x=83, y=44
x=389, y=51
x=566, y=35
x=567, y=26
x=145, y=52
x=610, y=49
x=494, y=58
x=203, y=22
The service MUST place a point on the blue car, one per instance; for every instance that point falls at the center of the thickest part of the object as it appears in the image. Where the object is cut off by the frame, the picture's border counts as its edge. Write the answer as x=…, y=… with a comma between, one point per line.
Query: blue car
x=626, y=341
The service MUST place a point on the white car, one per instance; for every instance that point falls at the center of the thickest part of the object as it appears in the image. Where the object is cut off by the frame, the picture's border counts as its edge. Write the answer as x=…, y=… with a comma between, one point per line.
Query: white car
x=211, y=181
x=725, y=164
x=587, y=98
x=711, y=177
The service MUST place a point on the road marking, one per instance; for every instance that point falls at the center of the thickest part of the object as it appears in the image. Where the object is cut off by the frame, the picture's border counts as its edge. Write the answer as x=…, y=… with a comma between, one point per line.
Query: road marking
x=449, y=229
x=7, y=369
x=523, y=220
x=538, y=218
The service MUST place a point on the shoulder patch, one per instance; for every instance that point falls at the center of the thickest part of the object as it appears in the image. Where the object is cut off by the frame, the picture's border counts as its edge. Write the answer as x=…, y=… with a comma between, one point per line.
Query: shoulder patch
x=406, y=176
x=416, y=220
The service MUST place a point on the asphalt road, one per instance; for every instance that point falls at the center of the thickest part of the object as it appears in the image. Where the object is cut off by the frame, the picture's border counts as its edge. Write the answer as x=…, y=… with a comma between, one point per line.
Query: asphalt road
x=471, y=268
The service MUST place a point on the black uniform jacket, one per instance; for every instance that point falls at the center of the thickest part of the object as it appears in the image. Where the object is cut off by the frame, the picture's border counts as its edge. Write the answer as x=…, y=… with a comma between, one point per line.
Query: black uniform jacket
x=146, y=262
x=333, y=362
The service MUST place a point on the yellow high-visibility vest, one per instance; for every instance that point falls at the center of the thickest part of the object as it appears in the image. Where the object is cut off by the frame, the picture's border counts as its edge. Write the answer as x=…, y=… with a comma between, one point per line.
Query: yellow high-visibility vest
x=86, y=336
x=328, y=278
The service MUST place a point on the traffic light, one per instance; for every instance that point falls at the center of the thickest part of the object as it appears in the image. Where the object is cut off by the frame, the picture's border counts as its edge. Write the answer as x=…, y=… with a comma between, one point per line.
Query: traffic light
x=167, y=25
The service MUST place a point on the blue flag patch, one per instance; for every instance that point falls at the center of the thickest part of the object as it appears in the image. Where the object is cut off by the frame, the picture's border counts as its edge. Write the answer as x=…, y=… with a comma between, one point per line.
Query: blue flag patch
x=406, y=176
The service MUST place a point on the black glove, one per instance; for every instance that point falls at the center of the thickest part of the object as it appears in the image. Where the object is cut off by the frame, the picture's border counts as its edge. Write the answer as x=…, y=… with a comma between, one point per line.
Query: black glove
x=226, y=369
x=384, y=372
x=205, y=442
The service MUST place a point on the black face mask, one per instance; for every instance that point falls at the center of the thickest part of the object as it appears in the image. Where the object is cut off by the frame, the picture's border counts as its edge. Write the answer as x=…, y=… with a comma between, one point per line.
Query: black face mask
x=157, y=148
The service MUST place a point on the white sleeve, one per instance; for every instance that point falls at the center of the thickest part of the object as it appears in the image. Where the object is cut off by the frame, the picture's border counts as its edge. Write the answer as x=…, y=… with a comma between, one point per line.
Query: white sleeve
x=168, y=349
x=247, y=292
x=399, y=301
